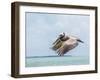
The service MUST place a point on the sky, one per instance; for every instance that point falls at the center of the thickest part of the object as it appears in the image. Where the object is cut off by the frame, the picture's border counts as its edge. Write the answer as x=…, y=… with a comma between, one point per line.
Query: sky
x=42, y=29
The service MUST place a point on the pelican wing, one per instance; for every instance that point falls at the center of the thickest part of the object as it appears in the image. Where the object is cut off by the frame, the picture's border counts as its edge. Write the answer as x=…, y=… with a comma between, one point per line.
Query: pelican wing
x=67, y=46
x=57, y=44
x=57, y=41
x=63, y=49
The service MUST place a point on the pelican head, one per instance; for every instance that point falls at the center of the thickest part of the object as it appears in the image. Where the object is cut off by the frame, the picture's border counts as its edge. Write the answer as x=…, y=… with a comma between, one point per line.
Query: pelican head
x=62, y=35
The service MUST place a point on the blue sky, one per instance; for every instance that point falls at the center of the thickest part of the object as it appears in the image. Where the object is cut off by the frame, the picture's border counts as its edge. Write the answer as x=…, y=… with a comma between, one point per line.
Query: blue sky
x=42, y=29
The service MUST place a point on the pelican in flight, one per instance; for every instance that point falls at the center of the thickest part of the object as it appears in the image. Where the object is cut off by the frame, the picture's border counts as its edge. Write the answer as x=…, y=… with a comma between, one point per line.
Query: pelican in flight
x=65, y=43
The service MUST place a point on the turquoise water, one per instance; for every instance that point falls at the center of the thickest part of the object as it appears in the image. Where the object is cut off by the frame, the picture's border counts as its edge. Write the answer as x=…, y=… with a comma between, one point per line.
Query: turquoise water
x=56, y=61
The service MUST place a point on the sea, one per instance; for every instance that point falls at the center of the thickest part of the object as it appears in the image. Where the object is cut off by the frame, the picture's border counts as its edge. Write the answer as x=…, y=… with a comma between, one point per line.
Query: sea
x=40, y=61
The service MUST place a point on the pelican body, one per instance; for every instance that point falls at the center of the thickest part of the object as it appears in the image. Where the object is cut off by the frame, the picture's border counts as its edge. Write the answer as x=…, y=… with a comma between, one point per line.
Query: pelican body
x=65, y=43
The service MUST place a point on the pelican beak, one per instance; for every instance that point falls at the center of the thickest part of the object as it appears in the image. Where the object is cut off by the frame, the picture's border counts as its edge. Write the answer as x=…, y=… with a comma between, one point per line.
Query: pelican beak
x=80, y=41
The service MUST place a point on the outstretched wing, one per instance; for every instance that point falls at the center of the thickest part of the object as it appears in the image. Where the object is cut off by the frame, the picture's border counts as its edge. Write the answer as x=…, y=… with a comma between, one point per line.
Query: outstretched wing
x=63, y=49
x=57, y=41
x=67, y=46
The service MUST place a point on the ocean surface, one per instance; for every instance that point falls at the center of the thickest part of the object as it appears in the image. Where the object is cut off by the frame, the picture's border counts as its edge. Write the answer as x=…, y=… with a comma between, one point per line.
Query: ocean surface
x=38, y=61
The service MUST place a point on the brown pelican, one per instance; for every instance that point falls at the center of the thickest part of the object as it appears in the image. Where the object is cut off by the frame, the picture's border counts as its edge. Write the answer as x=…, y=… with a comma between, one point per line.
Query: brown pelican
x=65, y=43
